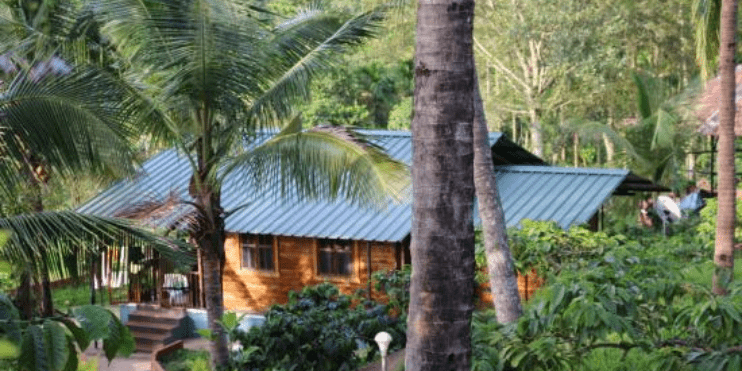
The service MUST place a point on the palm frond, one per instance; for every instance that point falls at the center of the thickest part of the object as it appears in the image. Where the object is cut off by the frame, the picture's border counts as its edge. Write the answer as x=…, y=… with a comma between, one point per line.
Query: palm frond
x=80, y=121
x=664, y=129
x=195, y=51
x=54, y=235
x=707, y=21
x=326, y=163
x=592, y=130
x=299, y=49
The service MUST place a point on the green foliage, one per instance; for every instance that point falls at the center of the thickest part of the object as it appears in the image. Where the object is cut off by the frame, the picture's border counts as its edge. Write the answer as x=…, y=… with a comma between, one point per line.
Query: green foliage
x=547, y=248
x=707, y=227
x=359, y=96
x=186, y=360
x=319, y=329
x=628, y=299
x=75, y=295
x=52, y=343
x=395, y=284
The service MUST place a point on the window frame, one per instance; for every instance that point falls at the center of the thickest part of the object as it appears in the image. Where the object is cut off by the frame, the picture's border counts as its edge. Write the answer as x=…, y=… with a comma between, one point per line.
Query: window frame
x=253, y=241
x=330, y=245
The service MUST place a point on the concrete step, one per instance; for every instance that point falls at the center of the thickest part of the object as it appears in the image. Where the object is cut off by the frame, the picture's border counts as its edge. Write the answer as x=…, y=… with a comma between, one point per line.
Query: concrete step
x=151, y=326
x=150, y=308
x=161, y=313
x=150, y=336
x=145, y=318
x=146, y=344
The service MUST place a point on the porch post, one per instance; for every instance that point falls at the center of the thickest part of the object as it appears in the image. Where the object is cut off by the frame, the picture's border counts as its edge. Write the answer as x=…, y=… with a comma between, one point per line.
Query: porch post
x=368, y=266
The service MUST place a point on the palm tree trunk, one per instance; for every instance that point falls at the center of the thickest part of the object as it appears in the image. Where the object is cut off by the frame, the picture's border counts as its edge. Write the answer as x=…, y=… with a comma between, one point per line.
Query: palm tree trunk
x=503, y=281
x=24, y=295
x=37, y=204
x=724, y=249
x=442, y=287
x=212, y=244
x=209, y=235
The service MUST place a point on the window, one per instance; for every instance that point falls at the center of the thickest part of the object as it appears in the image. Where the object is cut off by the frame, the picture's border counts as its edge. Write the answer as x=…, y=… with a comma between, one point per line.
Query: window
x=257, y=252
x=334, y=258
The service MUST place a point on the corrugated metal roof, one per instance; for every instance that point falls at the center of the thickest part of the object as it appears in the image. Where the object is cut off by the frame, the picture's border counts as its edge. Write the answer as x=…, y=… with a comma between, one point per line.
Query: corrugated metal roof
x=566, y=195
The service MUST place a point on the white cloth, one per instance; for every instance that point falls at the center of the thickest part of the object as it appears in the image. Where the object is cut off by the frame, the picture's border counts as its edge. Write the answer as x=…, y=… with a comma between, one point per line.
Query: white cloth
x=667, y=209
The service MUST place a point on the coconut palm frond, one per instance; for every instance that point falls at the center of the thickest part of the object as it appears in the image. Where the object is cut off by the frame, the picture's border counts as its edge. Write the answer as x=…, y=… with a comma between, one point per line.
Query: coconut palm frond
x=707, y=21
x=325, y=162
x=191, y=50
x=299, y=49
x=593, y=130
x=664, y=129
x=50, y=235
x=80, y=121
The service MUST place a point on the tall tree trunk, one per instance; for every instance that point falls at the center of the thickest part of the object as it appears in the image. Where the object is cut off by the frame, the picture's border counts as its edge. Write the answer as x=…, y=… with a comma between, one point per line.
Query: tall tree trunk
x=209, y=236
x=36, y=176
x=24, y=296
x=724, y=249
x=47, y=305
x=503, y=281
x=536, y=134
x=212, y=245
x=442, y=287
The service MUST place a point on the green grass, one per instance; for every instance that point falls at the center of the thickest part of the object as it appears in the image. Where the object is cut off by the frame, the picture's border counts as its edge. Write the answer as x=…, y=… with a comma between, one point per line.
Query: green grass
x=186, y=360
x=76, y=295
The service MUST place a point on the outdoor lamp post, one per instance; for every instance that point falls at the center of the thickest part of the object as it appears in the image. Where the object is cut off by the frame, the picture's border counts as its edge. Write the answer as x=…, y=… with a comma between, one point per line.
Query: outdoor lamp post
x=383, y=339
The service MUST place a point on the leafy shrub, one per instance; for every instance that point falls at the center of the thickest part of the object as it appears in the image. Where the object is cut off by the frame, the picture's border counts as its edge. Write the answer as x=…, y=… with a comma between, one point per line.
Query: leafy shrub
x=546, y=247
x=52, y=343
x=629, y=298
x=317, y=330
x=186, y=360
x=395, y=285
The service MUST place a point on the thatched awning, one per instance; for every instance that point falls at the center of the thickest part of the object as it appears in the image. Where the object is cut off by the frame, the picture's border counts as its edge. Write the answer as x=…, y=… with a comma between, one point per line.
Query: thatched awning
x=169, y=214
x=708, y=105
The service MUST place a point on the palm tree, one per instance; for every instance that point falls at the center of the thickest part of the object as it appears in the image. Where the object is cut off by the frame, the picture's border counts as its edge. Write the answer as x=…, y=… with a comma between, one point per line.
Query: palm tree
x=216, y=73
x=441, y=290
x=220, y=71
x=724, y=248
x=63, y=124
x=32, y=166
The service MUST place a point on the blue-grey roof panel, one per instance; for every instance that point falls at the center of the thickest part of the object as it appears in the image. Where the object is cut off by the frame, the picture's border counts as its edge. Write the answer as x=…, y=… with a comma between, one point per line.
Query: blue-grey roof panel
x=539, y=192
x=568, y=196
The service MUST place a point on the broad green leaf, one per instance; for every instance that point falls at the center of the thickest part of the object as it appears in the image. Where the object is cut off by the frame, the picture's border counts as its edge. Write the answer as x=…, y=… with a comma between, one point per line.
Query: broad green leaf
x=93, y=320
x=118, y=341
x=8, y=349
x=72, y=361
x=9, y=320
x=55, y=344
x=229, y=320
x=80, y=336
x=205, y=333
x=33, y=355
x=5, y=267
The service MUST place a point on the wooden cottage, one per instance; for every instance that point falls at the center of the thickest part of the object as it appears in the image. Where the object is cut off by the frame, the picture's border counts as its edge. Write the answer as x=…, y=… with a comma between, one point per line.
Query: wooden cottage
x=276, y=244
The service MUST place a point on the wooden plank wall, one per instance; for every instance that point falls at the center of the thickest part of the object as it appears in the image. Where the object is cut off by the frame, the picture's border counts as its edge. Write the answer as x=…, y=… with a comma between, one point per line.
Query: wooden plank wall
x=295, y=263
